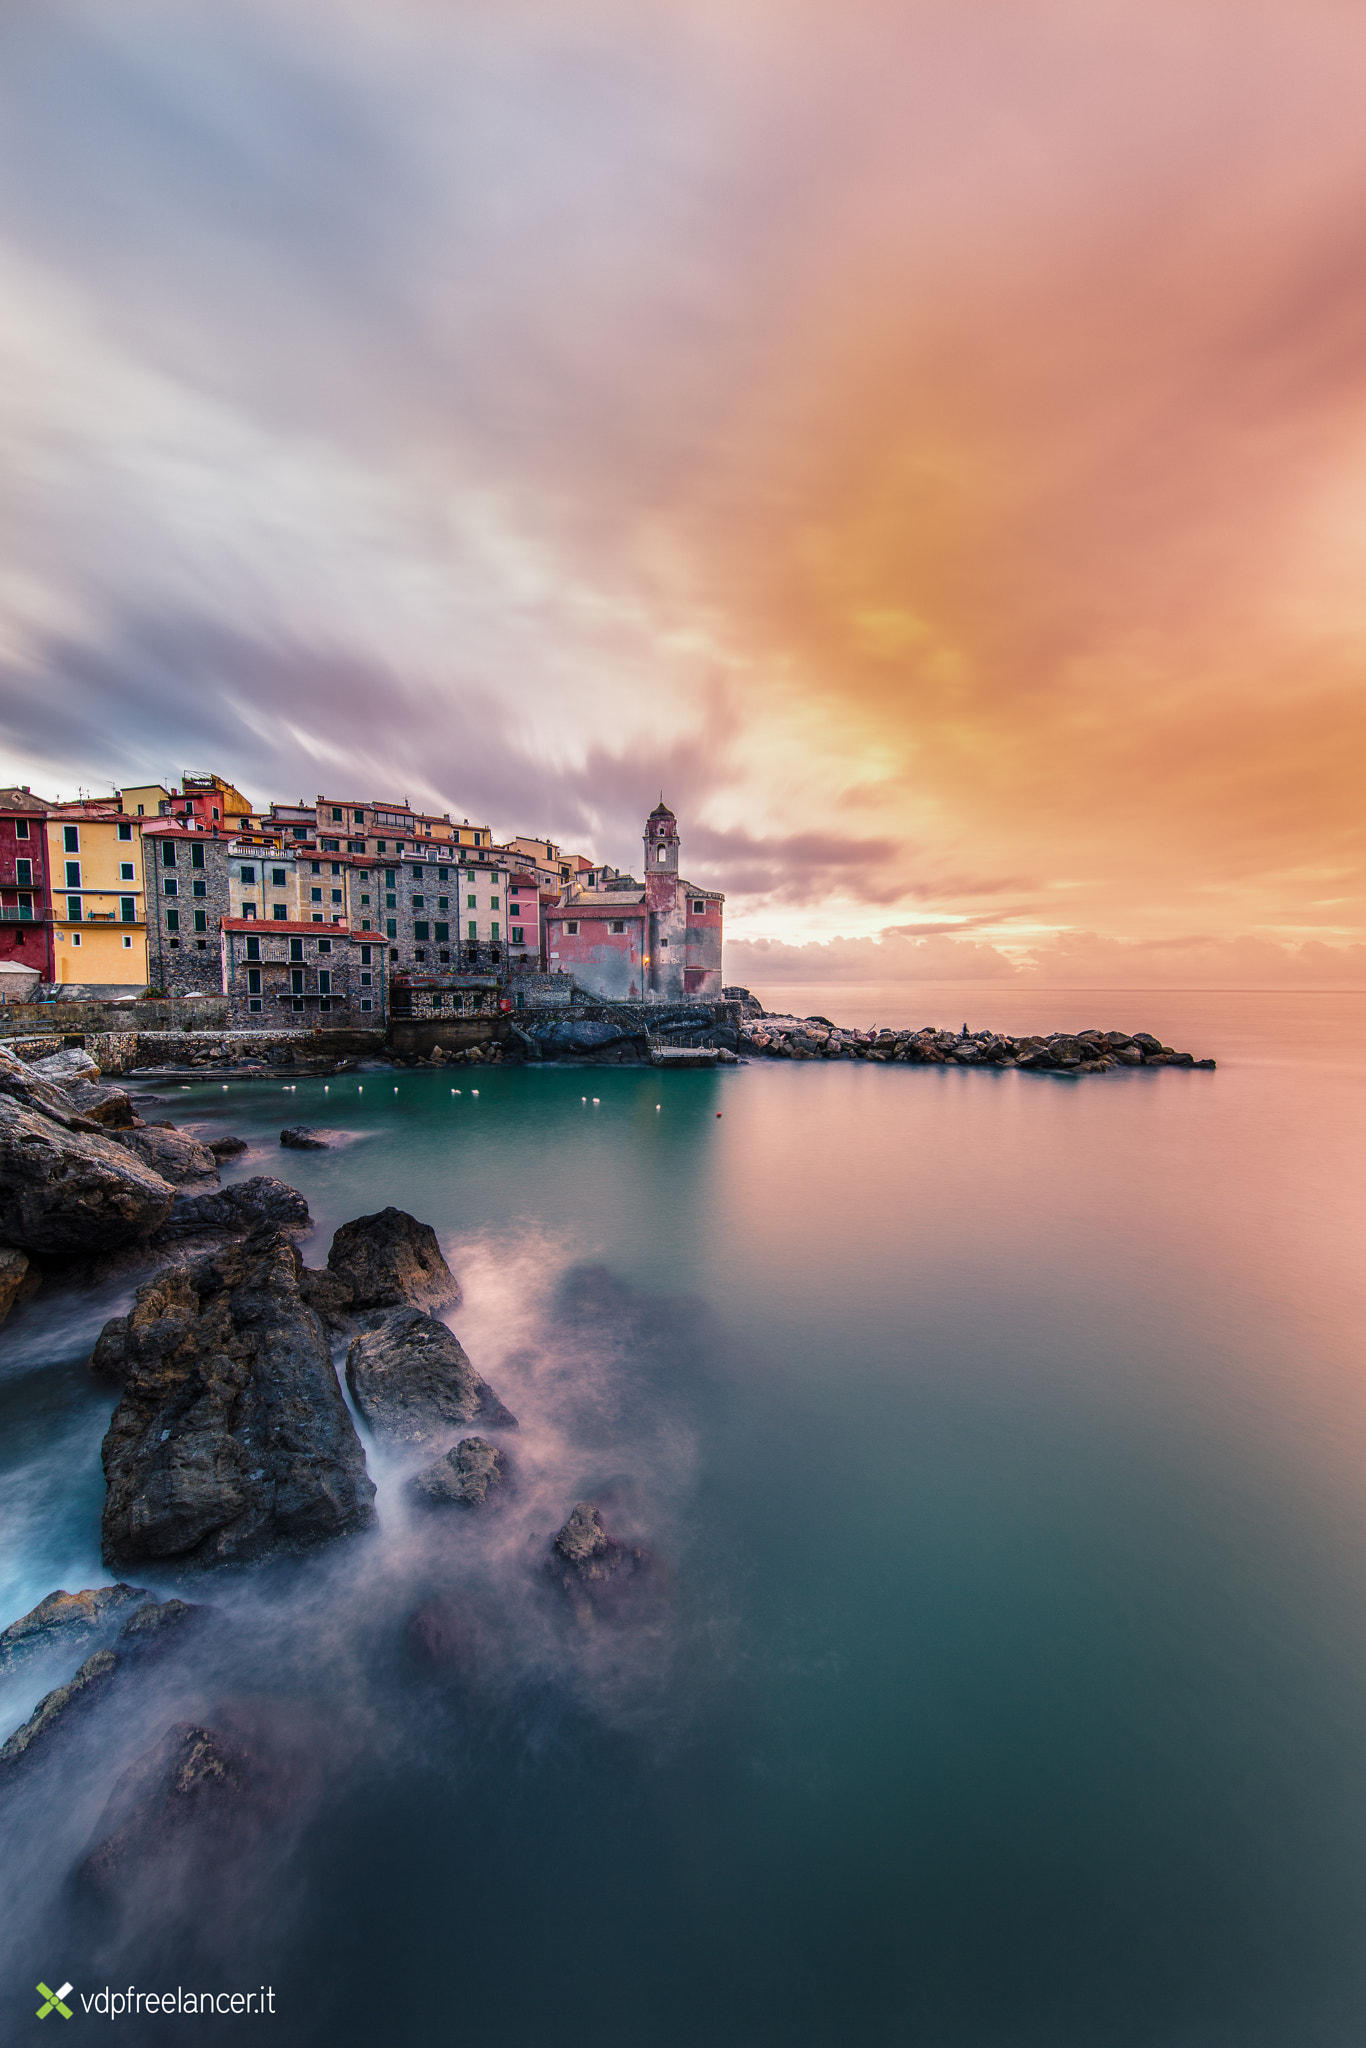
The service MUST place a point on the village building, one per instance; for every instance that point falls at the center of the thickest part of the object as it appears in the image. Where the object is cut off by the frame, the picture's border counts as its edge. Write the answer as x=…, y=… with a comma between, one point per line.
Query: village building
x=282, y=972
x=657, y=941
x=94, y=859
x=208, y=800
x=26, y=936
x=188, y=880
x=387, y=830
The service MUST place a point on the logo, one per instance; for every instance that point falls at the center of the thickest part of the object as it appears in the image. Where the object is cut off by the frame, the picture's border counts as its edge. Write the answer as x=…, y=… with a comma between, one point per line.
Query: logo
x=54, y=2002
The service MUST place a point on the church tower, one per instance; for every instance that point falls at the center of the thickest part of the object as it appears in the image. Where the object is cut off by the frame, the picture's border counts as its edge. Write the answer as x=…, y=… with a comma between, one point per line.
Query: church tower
x=661, y=843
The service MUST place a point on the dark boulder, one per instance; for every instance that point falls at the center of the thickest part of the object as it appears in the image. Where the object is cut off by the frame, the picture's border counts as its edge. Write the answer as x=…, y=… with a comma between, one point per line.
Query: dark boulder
x=64, y=1620
x=299, y=1138
x=197, y=1793
x=103, y=1103
x=232, y=1438
x=331, y=1296
x=246, y=1205
x=390, y=1260
x=162, y=1625
x=227, y=1147
x=588, y=1564
x=466, y=1477
x=18, y=1278
x=411, y=1380
x=171, y=1153
x=65, y=1186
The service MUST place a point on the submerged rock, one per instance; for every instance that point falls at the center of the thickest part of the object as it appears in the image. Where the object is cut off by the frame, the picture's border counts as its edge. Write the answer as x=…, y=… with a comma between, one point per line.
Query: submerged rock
x=227, y=1147
x=162, y=1625
x=59, y=1709
x=412, y=1381
x=65, y=1619
x=197, y=1789
x=232, y=1438
x=301, y=1139
x=242, y=1207
x=390, y=1260
x=465, y=1478
x=587, y=1563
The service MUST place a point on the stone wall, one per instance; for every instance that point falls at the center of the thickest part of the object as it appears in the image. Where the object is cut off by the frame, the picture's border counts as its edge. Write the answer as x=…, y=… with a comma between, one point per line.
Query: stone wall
x=183, y=927
x=18, y=1020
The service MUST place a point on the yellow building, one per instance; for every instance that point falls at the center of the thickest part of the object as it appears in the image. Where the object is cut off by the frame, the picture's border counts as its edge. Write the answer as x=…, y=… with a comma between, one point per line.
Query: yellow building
x=151, y=800
x=99, y=916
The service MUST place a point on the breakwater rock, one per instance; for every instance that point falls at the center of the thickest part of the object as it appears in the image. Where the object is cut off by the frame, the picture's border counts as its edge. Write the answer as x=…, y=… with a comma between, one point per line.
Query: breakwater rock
x=66, y=1187
x=232, y=1438
x=412, y=1380
x=1061, y=1052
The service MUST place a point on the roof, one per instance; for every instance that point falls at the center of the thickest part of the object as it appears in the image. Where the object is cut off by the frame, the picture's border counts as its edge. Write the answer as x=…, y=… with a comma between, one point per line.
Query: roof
x=661, y=810
x=20, y=800
x=602, y=900
x=286, y=928
x=696, y=889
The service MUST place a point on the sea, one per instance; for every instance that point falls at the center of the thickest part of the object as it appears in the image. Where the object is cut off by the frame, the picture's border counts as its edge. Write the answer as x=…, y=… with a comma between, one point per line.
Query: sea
x=997, y=1445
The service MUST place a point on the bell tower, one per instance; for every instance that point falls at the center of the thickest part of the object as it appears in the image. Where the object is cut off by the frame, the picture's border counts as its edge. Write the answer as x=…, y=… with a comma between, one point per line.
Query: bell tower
x=661, y=843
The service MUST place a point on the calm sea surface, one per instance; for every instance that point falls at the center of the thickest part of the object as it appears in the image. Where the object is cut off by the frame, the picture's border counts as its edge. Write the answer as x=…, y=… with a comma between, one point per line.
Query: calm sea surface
x=1002, y=1443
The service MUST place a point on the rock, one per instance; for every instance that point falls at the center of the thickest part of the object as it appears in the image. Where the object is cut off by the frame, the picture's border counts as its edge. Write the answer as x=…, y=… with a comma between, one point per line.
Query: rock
x=65, y=1187
x=227, y=1148
x=588, y=1563
x=195, y=1782
x=64, y=1619
x=301, y=1139
x=59, y=1709
x=103, y=1103
x=390, y=1260
x=173, y=1154
x=330, y=1296
x=246, y=1205
x=1145, y=1041
x=232, y=1438
x=17, y=1278
x=464, y=1478
x=162, y=1625
x=411, y=1380
x=73, y=1063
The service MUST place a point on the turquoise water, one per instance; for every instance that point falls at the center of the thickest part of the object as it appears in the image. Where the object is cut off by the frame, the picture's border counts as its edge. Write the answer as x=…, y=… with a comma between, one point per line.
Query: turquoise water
x=1001, y=1441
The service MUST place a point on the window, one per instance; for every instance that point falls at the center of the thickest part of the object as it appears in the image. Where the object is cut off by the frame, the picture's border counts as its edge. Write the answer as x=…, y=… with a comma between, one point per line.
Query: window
x=493, y=928
x=25, y=911
x=253, y=981
x=125, y=831
x=299, y=831
x=362, y=874
x=278, y=878
x=170, y=887
x=325, y=1002
x=215, y=810
x=443, y=902
x=477, y=839
x=443, y=874
x=249, y=876
x=168, y=853
x=73, y=874
x=324, y=945
x=417, y=874
x=391, y=901
x=315, y=867
x=365, y=924
x=418, y=953
x=391, y=929
x=280, y=913
x=317, y=917
x=315, y=895
x=366, y=979
x=358, y=817
x=254, y=1003
x=296, y=981
x=253, y=947
x=471, y=902
x=127, y=943
x=330, y=845
x=699, y=910
x=336, y=815
x=365, y=902
x=324, y=981
x=248, y=910
x=390, y=877
x=393, y=953
x=128, y=910
x=381, y=846
x=201, y=920
x=442, y=934
x=73, y=909
x=23, y=873
x=125, y=870
x=296, y=949
x=517, y=935
x=573, y=928
x=199, y=888
x=366, y=1003
x=173, y=920
x=21, y=828
x=196, y=856
x=75, y=938
x=336, y=895
x=422, y=930
x=445, y=955
x=297, y=1003
x=355, y=846
x=419, y=903
x=618, y=924
x=71, y=838
x=473, y=929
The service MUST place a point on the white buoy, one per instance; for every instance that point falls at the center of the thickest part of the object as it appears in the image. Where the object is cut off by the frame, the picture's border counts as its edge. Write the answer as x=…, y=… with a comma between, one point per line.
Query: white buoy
x=583, y=1098
x=474, y=1091
x=360, y=1087
x=396, y=1091
x=595, y=1102
x=657, y=1108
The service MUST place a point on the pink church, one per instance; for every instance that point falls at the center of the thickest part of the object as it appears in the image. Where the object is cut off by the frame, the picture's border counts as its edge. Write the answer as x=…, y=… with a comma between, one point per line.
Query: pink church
x=656, y=941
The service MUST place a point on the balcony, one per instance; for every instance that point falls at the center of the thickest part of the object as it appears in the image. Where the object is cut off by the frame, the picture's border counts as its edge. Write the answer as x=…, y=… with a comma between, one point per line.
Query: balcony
x=9, y=915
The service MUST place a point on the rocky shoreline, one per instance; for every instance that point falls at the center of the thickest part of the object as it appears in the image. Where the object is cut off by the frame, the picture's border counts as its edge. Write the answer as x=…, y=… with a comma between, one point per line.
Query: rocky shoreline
x=1060, y=1052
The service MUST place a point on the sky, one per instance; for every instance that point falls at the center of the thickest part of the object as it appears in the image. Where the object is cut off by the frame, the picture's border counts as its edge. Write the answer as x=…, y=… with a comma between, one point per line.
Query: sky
x=927, y=441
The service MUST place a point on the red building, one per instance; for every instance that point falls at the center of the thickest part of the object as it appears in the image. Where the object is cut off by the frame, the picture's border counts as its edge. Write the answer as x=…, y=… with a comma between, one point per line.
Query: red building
x=656, y=941
x=25, y=895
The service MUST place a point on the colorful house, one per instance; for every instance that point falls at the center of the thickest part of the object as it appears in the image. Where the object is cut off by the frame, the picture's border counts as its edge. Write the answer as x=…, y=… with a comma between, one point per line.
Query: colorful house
x=25, y=899
x=94, y=859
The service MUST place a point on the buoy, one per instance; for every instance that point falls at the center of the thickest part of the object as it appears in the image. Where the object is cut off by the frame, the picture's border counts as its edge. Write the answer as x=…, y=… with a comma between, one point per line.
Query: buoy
x=595, y=1102
x=474, y=1091
x=583, y=1098
x=657, y=1107
x=360, y=1087
x=718, y=1112
x=396, y=1091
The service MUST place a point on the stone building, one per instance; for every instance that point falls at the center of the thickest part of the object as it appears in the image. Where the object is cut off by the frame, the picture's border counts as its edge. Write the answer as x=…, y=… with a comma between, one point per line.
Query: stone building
x=25, y=898
x=385, y=831
x=188, y=878
x=659, y=940
x=286, y=972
